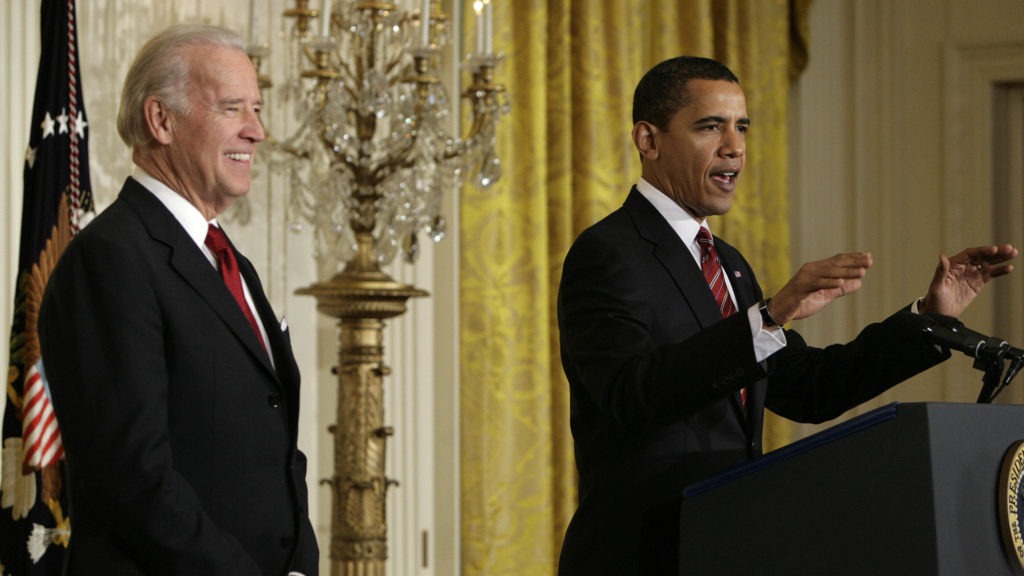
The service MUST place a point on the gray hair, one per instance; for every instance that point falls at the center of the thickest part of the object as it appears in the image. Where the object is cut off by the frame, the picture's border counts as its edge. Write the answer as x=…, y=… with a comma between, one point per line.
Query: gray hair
x=161, y=70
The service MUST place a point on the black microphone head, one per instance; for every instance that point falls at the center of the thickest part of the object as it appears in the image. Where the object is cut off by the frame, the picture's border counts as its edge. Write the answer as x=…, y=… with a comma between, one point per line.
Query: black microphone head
x=950, y=333
x=941, y=330
x=981, y=344
x=949, y=322
x=910, y=325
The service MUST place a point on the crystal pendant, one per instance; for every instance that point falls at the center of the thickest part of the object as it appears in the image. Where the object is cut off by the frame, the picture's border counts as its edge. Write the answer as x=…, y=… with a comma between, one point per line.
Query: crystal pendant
x=490, y=170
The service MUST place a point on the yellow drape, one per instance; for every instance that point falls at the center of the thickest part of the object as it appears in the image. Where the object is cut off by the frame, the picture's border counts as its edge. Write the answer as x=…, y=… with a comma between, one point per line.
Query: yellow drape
x=570, y=68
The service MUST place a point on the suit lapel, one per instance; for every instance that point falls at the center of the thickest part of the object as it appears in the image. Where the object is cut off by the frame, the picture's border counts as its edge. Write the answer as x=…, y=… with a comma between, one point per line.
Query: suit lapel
x=189, y=262
x=277, y=331
x=279, y=341
x=675, y=257
x=739, y=277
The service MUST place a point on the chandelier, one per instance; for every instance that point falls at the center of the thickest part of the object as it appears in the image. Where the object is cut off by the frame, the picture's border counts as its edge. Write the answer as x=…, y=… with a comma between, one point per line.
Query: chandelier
x=372, y=154
x=367, y=168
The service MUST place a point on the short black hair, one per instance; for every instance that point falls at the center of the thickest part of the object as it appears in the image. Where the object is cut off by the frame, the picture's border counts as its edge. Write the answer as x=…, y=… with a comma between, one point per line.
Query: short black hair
x=663, y=90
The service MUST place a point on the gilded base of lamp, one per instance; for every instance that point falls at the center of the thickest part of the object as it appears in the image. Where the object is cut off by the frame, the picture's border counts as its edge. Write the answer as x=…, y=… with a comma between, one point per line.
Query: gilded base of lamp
x=361, y=301
x=371, y=294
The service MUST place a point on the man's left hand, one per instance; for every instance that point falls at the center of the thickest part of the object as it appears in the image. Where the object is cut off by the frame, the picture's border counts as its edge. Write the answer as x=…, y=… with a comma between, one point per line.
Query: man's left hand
x=959, y=279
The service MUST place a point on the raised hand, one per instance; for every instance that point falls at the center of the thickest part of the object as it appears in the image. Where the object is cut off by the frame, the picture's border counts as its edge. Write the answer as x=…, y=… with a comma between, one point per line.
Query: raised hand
x=959, y=279
x=818, y=283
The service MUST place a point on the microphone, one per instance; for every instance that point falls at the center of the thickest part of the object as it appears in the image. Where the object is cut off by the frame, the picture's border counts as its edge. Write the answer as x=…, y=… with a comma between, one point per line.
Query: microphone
x=950, y=333
x=989, y=353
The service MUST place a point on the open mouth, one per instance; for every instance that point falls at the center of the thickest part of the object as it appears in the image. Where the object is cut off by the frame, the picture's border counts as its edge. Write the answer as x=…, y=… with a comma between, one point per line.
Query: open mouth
x=239, y=157
x=726, y=177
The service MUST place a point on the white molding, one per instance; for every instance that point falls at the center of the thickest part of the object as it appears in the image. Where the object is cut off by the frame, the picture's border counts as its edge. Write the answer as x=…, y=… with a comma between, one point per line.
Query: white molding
x=446, y=540
x=1008, y=187
x=972, y=72
x=422, y=393
x=19, y=51
x=974, y=75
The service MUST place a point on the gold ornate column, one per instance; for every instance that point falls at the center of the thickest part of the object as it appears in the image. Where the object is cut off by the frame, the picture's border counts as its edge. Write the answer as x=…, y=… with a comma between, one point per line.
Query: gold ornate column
x=361, y=301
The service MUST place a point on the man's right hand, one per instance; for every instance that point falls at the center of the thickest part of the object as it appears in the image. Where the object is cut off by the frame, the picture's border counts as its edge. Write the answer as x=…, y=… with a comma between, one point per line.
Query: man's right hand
x=817, y=284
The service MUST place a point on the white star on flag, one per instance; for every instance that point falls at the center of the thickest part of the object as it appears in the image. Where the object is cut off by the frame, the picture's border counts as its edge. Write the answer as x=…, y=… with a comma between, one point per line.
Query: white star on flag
x=47, y=126
x=62, y=122
x=80, y=125
x=30, y=157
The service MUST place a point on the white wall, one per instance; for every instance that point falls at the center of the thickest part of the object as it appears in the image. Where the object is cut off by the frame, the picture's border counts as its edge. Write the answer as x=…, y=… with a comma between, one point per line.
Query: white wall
x=19, y=51
x=894, y=151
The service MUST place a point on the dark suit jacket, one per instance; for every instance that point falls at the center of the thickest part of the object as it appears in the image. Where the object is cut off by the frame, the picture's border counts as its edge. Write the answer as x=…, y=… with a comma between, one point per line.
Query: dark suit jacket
x=654, y=373
x=180, y=436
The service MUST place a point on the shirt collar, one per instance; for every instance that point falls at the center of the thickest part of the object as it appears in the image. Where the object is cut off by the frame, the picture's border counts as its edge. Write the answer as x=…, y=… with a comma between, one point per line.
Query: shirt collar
x=190, y=218
x=684, y=224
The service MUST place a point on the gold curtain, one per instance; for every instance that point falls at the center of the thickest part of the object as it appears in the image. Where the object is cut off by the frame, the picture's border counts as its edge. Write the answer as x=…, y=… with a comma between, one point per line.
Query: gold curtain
x=570, y=68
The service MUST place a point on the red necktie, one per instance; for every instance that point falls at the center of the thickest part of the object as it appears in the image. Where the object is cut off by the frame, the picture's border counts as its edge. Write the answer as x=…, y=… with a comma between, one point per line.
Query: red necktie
x=714, y=275
x=217, y=242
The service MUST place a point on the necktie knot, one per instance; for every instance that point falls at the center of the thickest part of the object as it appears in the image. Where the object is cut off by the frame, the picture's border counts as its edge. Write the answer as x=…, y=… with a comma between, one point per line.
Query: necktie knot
x=706, y=243
x=216, y=241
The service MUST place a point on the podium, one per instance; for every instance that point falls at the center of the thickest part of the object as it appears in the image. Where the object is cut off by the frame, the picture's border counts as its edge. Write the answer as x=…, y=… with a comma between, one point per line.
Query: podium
x=904, y=490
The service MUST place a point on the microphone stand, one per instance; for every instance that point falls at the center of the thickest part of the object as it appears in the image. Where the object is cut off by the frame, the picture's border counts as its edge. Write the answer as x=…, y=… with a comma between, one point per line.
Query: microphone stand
x=990, y=386
x=993, y=367
x=990, y=354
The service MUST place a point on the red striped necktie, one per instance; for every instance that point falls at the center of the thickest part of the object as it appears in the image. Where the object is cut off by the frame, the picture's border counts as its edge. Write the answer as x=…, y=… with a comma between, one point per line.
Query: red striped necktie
x=217, y=242
x=714, y=275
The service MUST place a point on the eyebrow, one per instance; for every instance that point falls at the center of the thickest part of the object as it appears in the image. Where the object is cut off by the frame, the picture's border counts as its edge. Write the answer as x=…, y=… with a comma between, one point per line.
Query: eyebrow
x=237, y=102
x=720, y=120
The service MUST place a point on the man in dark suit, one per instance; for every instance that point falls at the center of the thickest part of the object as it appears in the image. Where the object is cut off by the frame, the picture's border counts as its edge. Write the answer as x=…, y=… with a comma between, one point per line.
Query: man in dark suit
x=179, y=414
x=671, y=350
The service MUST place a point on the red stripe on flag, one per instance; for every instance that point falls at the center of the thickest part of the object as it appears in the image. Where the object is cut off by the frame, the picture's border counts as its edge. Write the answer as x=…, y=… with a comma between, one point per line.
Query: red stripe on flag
x=40, y=433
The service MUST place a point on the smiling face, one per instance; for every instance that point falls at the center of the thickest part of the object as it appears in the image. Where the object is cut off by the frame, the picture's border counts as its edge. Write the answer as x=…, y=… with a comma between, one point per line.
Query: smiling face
x=697, y=159
x=205, y=153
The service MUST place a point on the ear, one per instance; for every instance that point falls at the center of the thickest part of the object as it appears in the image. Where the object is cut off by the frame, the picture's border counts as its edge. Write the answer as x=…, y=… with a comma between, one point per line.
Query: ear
x=159, y=120
x=643, y=139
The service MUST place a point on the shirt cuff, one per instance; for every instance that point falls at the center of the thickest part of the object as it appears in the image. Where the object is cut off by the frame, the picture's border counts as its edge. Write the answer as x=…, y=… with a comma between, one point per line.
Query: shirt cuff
x=767, y=341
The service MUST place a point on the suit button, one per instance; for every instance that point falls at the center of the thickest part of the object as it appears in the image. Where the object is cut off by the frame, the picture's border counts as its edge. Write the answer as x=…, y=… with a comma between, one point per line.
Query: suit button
x=274, y=400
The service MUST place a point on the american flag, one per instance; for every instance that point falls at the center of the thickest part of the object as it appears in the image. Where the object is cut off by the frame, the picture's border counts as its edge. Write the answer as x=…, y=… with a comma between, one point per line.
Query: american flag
x=34, y=526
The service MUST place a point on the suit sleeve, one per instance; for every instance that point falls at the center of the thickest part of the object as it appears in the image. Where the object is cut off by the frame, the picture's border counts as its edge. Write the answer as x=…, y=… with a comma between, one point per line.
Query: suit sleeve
x=104, y=353
x=617, y=345
x=810, y=384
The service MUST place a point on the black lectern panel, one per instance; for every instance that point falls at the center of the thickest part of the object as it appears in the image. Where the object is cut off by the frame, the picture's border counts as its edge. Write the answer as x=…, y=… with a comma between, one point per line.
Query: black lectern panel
x=904, y=492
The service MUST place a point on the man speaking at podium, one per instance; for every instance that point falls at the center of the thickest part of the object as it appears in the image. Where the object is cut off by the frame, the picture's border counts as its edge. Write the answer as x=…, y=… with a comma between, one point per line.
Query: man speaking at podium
x=672, y=351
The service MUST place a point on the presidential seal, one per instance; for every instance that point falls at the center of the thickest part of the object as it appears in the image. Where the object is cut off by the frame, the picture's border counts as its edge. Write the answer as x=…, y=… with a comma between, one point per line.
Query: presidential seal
x=1011, y=498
